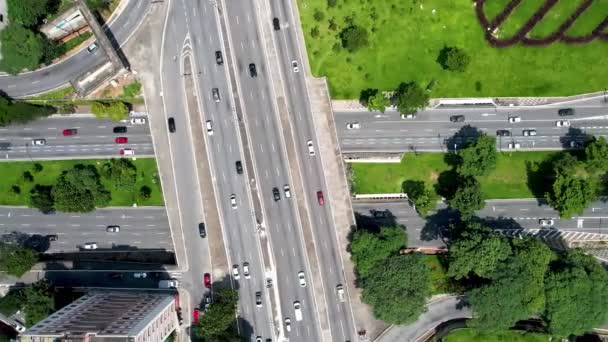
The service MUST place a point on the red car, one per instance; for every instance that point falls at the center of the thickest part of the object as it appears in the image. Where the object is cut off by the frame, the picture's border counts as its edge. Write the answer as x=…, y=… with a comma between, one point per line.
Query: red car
x=71, y=131
x=320, y=198
x=121, y=140
x=207, y=280
x=195, y=315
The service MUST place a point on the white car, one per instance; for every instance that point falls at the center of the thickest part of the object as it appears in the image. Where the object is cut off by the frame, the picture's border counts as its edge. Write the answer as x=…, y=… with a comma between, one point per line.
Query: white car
x=287, y=191
x=235, y=272
x=294, y=65
x=408, y=116
x=546, y=222
x=38, y=142
x=353, y=125
x=92, y=47
x=127, y=152
x=514, y=146
x=138, y=121
x=340, y=293
x=311, y=148
x=233, y=201
x=529, y=132
x=20, y=328
x=297, y=309
x=562, y=123
x=140, y=275
x=302, y=279
x=246, y=270
x=514, y=119
x=209, y=127
x=113, y=229
x=288, y=324
x=90, y=245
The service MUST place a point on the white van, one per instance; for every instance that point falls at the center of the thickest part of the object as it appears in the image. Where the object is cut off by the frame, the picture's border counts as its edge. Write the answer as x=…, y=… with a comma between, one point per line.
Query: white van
x=297, y=309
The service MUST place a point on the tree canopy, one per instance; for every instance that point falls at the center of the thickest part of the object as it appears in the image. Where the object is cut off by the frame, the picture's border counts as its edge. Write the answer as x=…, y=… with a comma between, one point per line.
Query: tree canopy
x=467, y=198
x=576, y=295
x=423, y=197
x=411, y=98
x=398, y=288
x=477, y=251
x=454, y=59
x=220, y=315
x=113, y=110
x=39, y=302
x=354, y=37
x=27, y=12
x=479, y=157
x=21, y=49
x=378, y=102
x=570, y=194
x=79, y=190
x=122, y=172
x=596, y=155
x=16, y=260
x=21, y=112
x=369, y=248
x=41, y=197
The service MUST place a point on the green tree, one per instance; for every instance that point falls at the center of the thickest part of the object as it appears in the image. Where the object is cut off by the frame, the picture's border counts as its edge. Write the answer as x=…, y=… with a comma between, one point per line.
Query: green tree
x=478, y=158
x=477, y=251
x=144, y=193
x=453, y=59
x=15, y=189
x=368, y=248
x=26, y=12
x=354, y=37
x=378, y=102
x=331, y=3
x=220, y=315
x=27, y=176
x=423, y=198
x=41, y=198
x=50, y=50
x=98, y=5
x=398, y=288
x=37, y=168
x=596, y=155
x=570, y=194
x=468, y=197
x=121, y=172
x=21, y=112
x=318, y=15
x=16, y=260
x=113, y=110
x=411, y=98
x=21, y=49
x=576, y=295
x=39, y=302
x=80, y=190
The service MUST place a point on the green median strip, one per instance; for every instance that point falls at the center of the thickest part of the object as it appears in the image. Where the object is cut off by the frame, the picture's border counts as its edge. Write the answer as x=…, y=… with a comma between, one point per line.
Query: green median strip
x=516, y=174
x=18, y=178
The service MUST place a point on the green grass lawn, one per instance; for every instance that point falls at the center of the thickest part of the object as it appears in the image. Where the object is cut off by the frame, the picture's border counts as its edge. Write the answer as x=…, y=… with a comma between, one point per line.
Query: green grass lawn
x=471, y=335
x=12, y=175
x=508, y=180
x=74, y=42
x=438, y=274
x=406, y=37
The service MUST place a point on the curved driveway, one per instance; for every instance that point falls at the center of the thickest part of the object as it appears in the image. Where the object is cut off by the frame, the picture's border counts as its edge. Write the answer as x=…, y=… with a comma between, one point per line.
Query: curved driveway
x=56, y=75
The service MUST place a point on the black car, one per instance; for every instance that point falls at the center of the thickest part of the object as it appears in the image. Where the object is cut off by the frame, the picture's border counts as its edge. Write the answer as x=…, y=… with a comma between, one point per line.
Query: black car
x=253, y=72
x=457, y=118
x=171, y=122
x=201, y=230
x=218, y=58
x=565, y=111
x=275, y=24
x=120, y=129
x=380, y=214
x=239, y=167
x=503, y=133
x=276, y=194
x=116, y=275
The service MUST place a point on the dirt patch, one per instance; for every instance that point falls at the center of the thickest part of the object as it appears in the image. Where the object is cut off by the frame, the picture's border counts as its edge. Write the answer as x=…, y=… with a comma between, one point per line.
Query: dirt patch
x=114, y=88
x=434, y=176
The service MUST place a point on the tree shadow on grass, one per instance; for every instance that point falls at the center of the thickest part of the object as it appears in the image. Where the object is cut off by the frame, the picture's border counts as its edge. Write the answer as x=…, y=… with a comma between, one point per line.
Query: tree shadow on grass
x=540, y=175
x=447, y=183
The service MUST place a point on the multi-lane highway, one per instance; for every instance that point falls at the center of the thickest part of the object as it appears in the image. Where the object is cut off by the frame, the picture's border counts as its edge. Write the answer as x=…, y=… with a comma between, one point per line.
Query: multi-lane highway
x=121, y=27
x=92, y=138
x=516, y=214
x=431, y=130
x=141, y=228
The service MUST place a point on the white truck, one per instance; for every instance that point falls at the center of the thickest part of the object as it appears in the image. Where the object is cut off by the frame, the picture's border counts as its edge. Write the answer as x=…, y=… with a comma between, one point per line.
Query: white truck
x=297, y=311
x=168, y=284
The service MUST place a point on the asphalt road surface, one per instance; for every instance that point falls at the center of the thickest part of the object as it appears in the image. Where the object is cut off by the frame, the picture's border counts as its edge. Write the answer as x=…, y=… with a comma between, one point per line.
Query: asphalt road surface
x=432, y=130
x=141, y=228
x=514, y=214
x=57, y=75
x=94, y=139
